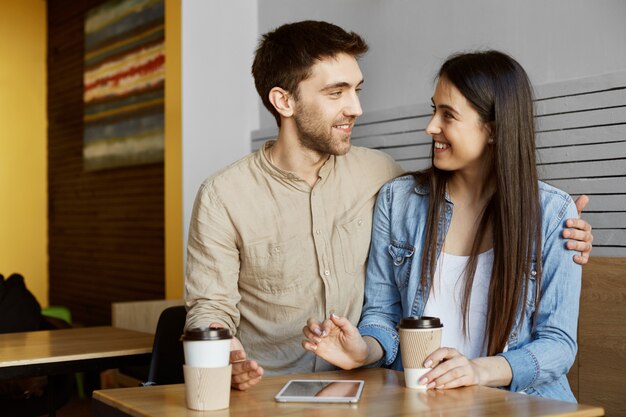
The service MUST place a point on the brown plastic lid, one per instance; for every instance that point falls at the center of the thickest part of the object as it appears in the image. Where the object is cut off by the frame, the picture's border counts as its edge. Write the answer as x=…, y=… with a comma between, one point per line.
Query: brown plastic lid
x=206, y=333
x=421, y=322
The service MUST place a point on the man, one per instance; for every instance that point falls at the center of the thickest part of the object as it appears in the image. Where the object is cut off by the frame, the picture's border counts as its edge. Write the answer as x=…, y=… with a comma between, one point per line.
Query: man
x=283, y=234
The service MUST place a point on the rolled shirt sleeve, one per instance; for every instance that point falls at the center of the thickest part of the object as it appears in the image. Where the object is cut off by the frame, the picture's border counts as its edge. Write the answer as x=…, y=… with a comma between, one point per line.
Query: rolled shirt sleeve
x=212, y=272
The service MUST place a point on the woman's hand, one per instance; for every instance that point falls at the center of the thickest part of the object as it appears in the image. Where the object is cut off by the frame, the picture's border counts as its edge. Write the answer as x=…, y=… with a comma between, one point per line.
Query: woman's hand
x=337, y=341
x=451, y=370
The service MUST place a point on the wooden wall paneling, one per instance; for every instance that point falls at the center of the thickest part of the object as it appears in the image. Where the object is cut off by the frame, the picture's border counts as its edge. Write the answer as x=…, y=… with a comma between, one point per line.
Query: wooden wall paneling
x=602, y=331
x=106, y=228
x=573, y=377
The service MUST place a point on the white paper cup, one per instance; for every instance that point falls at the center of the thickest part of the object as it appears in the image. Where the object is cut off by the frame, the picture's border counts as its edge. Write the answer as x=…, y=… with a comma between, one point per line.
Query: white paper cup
x=419, y=337
x=207, y=348
x=412, y=377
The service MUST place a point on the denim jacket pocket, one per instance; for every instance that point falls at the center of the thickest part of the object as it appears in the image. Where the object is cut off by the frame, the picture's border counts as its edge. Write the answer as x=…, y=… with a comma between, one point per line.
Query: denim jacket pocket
x=400, y=253
x=532, y=287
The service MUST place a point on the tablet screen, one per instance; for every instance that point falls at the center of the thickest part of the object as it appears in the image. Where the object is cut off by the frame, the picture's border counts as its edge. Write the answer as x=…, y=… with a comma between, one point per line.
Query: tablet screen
x=347, y=391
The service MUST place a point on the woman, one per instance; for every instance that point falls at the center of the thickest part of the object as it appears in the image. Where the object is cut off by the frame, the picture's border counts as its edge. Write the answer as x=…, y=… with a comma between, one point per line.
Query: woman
x=474, y=240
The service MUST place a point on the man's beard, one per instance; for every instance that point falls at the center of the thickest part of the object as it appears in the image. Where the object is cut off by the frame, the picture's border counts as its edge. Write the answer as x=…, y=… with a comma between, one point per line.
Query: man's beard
x=315, y=136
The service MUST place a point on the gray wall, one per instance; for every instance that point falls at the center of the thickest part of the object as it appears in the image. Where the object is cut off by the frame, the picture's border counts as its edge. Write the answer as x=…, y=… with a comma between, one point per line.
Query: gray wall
x=219, y=102
x=554, y=40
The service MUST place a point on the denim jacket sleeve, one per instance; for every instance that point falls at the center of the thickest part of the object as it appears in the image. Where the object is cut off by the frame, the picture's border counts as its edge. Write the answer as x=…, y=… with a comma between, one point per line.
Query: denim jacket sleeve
x=551, y=349
x=382, y=308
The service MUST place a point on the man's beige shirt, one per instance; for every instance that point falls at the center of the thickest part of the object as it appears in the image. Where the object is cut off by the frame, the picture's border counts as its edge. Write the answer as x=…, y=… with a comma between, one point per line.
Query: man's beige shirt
x=267, y=251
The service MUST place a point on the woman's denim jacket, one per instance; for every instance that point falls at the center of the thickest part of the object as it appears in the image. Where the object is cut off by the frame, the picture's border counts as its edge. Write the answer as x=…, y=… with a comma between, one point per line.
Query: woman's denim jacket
x=539, y=359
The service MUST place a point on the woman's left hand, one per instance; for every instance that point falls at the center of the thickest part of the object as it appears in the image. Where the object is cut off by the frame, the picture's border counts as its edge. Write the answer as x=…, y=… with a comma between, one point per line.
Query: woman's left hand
x=450, y=370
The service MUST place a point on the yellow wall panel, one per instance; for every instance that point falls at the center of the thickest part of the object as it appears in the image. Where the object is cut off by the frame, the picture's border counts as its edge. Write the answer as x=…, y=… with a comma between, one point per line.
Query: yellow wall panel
x=23, y=154
x=173, y=153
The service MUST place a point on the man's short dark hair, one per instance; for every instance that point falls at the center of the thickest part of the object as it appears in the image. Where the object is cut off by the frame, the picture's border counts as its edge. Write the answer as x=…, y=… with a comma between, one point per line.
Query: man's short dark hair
x=285, y=55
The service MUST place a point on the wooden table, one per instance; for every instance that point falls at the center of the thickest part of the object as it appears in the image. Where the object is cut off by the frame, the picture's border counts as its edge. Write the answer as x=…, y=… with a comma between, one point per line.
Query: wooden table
x=51, y=352
x=384, y=395
x=55, y=352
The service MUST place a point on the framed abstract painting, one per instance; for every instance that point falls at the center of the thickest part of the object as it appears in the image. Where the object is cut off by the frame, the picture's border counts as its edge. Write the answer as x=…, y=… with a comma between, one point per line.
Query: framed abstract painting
x=124, y=79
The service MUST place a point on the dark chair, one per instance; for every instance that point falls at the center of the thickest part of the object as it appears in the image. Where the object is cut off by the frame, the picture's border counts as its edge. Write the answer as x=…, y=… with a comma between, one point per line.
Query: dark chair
x=166, y=364
x=34, y=396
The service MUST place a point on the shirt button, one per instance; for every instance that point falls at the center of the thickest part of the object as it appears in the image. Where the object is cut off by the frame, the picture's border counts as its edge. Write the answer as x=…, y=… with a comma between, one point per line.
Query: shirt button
x=276, y=250
x=360, y=222
x=327, y=272
x=398, y=259
x=317, y=232
x=533, y=273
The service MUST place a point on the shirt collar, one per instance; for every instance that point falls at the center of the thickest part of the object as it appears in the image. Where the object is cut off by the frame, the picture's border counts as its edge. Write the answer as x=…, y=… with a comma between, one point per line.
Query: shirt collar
x=289, y=177
x=272, y=169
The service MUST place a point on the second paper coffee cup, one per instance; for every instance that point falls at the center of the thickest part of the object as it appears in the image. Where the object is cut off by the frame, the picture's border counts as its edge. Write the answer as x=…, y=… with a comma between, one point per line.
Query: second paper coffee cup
x=207, y=348
x=419, y=337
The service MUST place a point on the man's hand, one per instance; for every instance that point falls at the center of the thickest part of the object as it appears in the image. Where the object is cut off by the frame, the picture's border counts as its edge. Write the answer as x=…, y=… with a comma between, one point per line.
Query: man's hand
x=579, y=233
x=246, y=373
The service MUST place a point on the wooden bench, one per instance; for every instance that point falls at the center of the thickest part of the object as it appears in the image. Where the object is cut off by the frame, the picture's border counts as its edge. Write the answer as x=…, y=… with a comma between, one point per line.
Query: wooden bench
x=581, y=148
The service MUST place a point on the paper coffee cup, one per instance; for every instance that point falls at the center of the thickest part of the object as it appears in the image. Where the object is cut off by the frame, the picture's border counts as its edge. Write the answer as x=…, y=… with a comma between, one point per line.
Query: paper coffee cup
x=207, y=348
x=207, y=368
x=419, y=337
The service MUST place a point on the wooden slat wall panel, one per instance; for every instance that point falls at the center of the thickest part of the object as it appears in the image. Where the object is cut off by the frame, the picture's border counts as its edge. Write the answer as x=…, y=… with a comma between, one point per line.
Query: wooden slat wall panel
x=581, y=146
x=582, y=149
x=106, y=228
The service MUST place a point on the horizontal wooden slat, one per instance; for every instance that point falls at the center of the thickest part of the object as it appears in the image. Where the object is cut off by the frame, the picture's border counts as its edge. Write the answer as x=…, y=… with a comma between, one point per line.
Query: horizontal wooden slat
x=415, y=164
x=597, y=151
x=393, y=126
x=597, y=134
x=568, y=104
x=607, y=220
x=402, y=112
x=609, y=237
x=610, y=252
x=582, y=169
x=580, y=85
x=393, y=139
x=407, y=152
x=582, y=119
x=613, y=202
x=591, y=185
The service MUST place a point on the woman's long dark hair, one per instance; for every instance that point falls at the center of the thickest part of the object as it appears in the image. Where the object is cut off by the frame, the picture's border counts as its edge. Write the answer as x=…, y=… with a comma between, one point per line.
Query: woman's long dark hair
x=498, y=88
